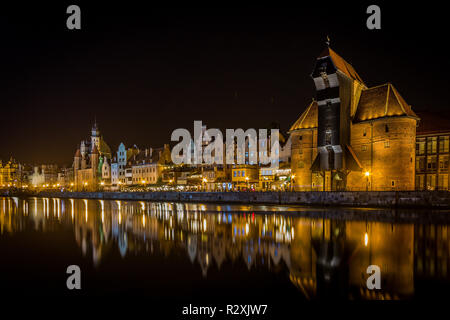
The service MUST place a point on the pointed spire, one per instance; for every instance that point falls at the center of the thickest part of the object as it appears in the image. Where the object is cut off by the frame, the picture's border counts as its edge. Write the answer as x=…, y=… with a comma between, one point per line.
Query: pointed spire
x=95, y=126
x=328, y=41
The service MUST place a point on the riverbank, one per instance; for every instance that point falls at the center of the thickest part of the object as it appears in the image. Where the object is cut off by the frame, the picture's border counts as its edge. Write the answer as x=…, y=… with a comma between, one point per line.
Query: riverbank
x=382, y=199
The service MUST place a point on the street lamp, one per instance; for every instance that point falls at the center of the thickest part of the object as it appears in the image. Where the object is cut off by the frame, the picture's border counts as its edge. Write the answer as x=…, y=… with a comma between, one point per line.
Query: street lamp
x=292, y=179
x=247, y=179
x=204, y=180
x=367, y=174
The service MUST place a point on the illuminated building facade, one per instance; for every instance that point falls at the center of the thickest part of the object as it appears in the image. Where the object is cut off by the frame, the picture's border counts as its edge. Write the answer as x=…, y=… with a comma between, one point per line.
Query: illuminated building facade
x=9, y=173
x=148, y=164
x=88, y=162
x=352, y=137
x=432, y=152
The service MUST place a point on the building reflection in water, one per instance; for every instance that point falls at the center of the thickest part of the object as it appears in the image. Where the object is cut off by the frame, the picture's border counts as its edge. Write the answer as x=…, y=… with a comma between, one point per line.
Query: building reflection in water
x=322, y=257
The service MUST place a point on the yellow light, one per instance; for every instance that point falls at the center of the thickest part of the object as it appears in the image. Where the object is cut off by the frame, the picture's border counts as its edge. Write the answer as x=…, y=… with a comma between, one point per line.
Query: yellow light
x=247, y=178
x=366, y=239
x=293, y=176
x=367, y=173
x=205, y=180
x=71, y=184
x=85, y=183
x=102, y=183
x=143, y=181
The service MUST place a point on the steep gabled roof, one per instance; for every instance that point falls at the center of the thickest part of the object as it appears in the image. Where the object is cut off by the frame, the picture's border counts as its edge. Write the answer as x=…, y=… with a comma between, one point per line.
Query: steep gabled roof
x=382, y=101
x=308, y=119
x=341, y=64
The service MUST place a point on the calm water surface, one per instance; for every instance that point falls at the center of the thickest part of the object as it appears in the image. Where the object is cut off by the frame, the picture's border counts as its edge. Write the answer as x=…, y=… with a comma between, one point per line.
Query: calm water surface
x=198, y=252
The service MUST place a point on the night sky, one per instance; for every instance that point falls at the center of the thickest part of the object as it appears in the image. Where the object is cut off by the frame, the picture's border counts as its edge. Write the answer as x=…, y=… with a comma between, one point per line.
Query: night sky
x=145, y=71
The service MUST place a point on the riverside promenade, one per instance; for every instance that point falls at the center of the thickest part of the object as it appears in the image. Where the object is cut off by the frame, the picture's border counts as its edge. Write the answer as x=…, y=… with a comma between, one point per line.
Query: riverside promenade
x=381, y=199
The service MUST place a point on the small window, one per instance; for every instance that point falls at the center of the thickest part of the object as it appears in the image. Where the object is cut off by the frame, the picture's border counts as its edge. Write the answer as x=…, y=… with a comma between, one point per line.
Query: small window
x=328, y=137
x=300, y=138
x=386, y=144
x=393, y=183
x=364, y=133
x=364, y=148
x=386, y=128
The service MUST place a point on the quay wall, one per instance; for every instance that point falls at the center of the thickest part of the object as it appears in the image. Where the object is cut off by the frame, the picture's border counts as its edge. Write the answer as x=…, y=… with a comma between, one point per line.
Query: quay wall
x=381, y=199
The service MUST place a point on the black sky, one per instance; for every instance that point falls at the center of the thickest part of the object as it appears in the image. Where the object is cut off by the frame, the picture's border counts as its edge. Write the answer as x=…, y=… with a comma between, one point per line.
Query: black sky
x=145, y=71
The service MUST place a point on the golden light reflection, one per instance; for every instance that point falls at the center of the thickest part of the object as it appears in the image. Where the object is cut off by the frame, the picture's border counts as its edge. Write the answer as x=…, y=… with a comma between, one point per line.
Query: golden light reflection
x=86, y=206
x=102, y=204
x=213, y=239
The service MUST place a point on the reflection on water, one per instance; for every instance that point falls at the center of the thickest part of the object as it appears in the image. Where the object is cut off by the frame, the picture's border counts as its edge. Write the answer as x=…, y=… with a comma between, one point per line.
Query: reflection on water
x=321, y=257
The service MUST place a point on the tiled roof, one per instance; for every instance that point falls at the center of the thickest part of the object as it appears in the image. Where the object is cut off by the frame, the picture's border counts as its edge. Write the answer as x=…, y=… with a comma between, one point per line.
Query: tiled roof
x=341, y=64
x=308, y=119
x=382, y=101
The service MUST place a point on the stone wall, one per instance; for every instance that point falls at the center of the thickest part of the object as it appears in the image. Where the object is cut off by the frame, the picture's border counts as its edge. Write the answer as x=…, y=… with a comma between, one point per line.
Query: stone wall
x=386, y=199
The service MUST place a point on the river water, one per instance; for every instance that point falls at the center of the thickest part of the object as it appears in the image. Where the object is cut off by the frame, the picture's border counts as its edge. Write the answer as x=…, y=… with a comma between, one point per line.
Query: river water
x=204, y=252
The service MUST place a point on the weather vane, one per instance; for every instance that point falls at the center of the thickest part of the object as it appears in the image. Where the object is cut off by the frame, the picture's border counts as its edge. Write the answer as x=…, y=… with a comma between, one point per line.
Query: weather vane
x=328, y=41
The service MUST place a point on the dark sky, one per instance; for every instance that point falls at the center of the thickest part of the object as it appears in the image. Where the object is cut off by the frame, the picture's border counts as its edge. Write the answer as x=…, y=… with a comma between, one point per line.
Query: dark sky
x=145, y=71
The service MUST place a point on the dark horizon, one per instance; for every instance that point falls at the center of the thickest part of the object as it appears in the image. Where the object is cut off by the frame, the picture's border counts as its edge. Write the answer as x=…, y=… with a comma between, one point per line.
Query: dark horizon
x=143, y=72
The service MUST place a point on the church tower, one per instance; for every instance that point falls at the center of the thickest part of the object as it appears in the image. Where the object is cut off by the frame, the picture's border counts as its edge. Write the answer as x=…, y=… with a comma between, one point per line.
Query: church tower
x=95, y=137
